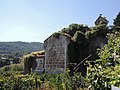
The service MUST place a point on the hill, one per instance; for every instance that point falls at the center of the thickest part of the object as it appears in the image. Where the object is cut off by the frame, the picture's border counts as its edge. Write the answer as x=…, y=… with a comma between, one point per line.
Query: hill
x=20, y=47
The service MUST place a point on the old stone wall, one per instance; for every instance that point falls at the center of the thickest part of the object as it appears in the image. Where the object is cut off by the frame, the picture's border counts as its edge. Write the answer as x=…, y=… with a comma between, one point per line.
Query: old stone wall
x=34, y=62
x=56, y=54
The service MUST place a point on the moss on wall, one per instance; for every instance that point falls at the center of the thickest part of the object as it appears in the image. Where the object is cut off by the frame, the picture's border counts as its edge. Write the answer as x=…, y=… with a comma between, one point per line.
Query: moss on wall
x=56, y=34
x=81, y=45
x=30, y=60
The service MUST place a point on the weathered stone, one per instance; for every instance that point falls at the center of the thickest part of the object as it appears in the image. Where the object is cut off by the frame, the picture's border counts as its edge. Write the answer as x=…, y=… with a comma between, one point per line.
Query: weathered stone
x=56, y=52
x=34, y=62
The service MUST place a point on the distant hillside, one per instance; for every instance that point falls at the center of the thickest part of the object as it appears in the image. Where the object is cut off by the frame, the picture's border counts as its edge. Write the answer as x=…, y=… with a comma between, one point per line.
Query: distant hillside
x=19, y=47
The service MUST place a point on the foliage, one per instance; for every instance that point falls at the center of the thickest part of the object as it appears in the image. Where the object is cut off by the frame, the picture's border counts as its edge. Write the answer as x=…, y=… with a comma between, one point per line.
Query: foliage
x=17, y=81
x=79, y=37
x=105, y=71
x=30, y=59
x=19, y=48
x=56, y=35
x=11, y=52
x=73, y=28
x=21, y=82
x=110, y=53
x=7, y=70
x=117, y=20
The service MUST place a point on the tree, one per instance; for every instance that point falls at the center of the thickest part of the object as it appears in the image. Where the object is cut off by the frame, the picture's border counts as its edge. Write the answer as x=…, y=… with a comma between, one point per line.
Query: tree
x=106, y=70
x=73, y=28
x=117, y=20
x=117, y=23
x=110, y=53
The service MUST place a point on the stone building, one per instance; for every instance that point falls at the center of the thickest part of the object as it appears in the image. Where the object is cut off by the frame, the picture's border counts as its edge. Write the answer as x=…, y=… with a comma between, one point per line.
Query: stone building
x=63, y=50
x=56, y=57
x=61, y=53
x=34, y=61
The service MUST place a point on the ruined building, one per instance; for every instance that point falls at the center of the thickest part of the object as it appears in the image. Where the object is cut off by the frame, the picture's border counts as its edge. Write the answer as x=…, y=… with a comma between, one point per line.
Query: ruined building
x=34, y=62
x=68, y=49
x=56, y=56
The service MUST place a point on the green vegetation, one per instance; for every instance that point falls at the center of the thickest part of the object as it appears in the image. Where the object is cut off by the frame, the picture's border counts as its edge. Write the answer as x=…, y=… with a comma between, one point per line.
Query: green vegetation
x=30, y=59
x=101, y=72
x=19, y=48
x=117, y=20
x=11, y=52
x=106, y=70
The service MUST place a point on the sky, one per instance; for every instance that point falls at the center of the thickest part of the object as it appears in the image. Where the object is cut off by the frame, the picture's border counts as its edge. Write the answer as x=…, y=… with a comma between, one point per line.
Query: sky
x=35, y=20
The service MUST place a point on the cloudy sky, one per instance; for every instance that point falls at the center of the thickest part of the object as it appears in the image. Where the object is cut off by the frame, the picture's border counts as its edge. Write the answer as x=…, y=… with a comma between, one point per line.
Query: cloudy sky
x=35, y=20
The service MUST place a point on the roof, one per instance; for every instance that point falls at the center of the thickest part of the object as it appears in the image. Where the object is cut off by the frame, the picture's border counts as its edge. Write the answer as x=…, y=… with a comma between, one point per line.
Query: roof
x=63, y=34
x=37, y=54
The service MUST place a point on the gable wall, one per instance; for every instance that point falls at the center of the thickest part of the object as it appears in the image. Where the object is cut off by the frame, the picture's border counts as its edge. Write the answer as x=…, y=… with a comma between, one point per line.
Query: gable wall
x=56, y=54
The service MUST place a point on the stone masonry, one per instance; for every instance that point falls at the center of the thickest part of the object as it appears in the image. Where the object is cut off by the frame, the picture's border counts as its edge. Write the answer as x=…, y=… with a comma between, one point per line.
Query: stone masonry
x=56, y=53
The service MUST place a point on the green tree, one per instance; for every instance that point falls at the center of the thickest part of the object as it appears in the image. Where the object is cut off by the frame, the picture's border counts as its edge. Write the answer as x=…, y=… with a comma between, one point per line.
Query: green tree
x=116, y=23
x=106, y=70
x=73, y=28
x=117, y=20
